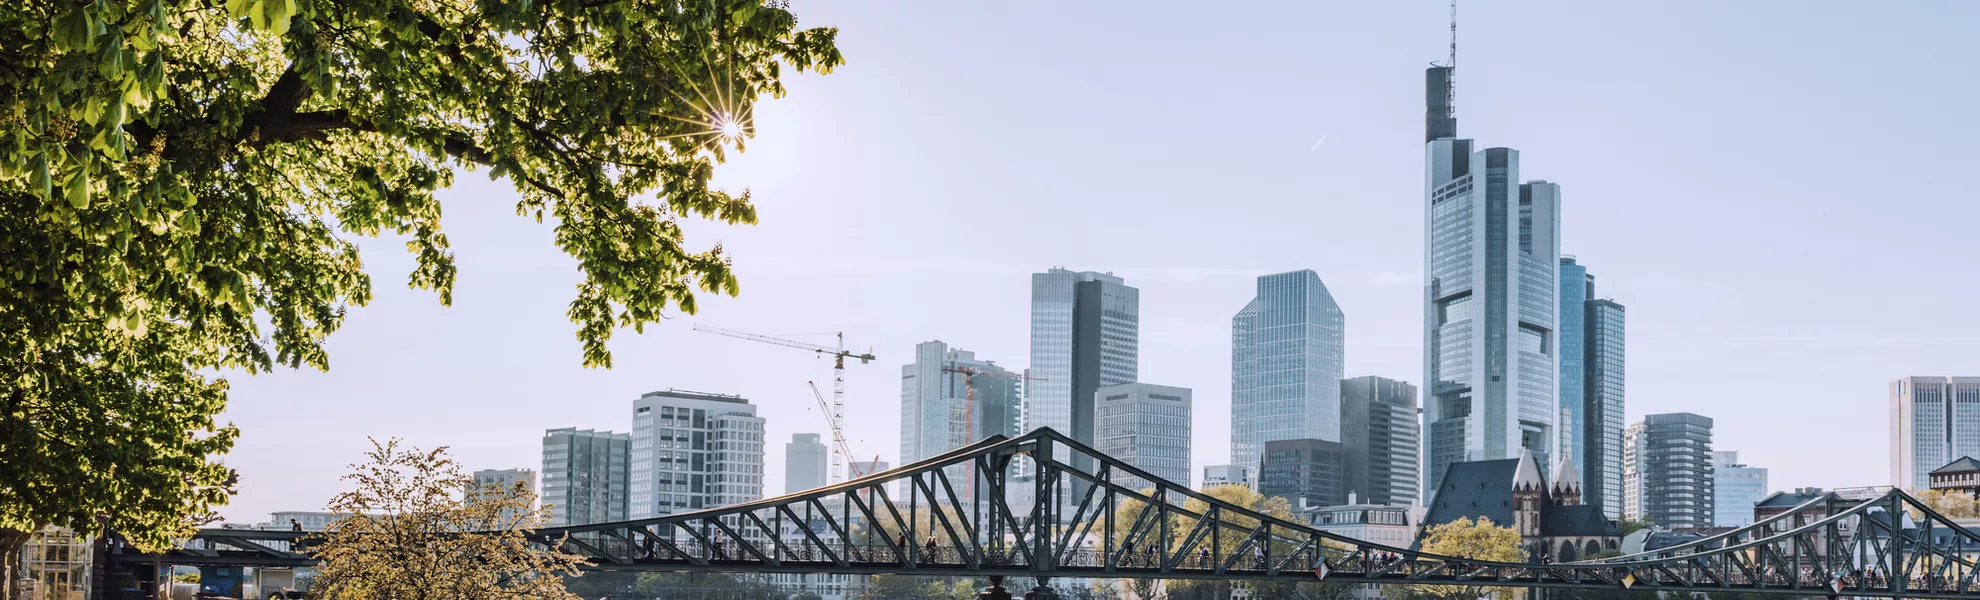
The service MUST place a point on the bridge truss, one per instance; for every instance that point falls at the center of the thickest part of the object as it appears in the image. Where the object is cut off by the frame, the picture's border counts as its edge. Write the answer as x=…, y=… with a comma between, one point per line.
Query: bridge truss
x=1113, y=520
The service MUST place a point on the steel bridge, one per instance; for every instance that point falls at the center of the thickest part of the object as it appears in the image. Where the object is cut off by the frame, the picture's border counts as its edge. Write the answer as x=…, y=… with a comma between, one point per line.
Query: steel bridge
x=1112, y=520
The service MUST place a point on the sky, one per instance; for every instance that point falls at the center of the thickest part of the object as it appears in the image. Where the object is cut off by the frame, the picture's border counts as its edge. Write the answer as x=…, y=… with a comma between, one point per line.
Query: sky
x=1774, y=189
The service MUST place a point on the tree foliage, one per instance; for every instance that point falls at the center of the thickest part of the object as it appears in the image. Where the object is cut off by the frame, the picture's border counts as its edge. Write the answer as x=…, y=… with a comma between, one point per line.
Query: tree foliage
x=1631, y=525
x=1464, y=538
x=416, y=527
x=181, y=182
x=1951, y=504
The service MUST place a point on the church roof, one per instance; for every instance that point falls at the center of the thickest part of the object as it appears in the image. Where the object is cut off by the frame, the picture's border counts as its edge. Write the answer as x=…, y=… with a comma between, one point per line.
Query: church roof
x=1528, y=473
x=1474, y=489
x=1564, y=474
x=1963, y=464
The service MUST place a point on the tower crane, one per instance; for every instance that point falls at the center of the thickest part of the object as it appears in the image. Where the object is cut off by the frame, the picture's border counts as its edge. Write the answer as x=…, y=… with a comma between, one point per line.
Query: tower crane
x=838, y=434
x=839, y=355
x=969, y=404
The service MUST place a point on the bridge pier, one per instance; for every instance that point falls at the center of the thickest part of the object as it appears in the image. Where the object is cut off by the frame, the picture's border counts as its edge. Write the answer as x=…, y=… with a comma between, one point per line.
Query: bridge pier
x=1044, y=591
x=996, y=590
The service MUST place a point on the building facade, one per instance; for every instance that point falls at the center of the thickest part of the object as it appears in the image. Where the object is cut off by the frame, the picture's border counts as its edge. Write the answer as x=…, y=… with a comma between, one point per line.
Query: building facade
x=1736, y=489
x=1148, y=426
x=1380, y=437
x=1216, y=475
x=1933, y=421
x=935, y=400
x=1286, y=363
x=694, y=450
x=1393, y=526
x=1672, y=470
x=503, y=479
x=1962, y=475
x=1602, y=410
x=1576, y=287
x=1307, y=473
x=804, y=463
x=585, y=476
x=1085, y=333
x=1490, y=300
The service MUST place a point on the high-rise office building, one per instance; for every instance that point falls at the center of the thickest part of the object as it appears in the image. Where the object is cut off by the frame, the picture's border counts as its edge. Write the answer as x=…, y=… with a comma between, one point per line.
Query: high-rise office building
x=502, y=480
x=694, y=450
x=1085, y=333
x=1216, y=475
x=1286, y=363
x=1144, y=425
x=1601, y=422
x=1736, y=488
x=935, y=390
x=804, y=463
x=1490, y=300
x=1576, y=287
x=584, y=476
x=1669, y=469
x=1934, y=420
x=1306, y=473
x=1380, y=436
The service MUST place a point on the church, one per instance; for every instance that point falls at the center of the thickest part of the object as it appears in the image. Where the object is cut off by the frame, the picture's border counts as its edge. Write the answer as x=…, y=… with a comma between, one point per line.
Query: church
x=1553, y=524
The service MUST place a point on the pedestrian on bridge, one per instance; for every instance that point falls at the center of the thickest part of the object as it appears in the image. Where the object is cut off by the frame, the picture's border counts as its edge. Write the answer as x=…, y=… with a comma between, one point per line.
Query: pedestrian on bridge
x=295, y=525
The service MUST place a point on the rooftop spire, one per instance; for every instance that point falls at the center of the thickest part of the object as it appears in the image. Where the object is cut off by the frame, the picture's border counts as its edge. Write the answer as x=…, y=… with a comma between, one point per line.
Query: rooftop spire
x=1440, y=114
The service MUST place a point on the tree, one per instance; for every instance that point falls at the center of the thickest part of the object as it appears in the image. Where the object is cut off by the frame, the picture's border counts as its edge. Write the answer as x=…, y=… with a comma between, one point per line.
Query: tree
x=1463, y=538
x=181, y=180
x=703, y=586
x=1232, y=538
x=1631, y=525
x=416, y=508
x=1951, y=504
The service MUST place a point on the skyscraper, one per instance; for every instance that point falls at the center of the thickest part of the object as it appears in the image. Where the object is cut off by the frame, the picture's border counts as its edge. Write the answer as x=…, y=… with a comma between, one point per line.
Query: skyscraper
x=694, y=450
x=1576, y=287
x=1379, y=438
x=934, y=390
x=1735, y=489
x=1085, y=333
x=1304, y=472
x=1602, y=408
x=1490, y=301
x=1145, y=425
x=804, y=463
x=1934, y=420
x=1286, y=364
x=584, y=476
x=1672, y=470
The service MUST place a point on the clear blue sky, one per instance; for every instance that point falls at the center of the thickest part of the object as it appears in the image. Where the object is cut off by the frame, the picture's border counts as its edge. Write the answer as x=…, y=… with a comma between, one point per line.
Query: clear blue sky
x=1776, y=190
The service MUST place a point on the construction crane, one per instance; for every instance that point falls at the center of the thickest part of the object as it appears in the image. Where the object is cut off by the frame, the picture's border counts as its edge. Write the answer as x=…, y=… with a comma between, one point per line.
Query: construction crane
x=838, y=434
x=839, y=356
x=969, y=406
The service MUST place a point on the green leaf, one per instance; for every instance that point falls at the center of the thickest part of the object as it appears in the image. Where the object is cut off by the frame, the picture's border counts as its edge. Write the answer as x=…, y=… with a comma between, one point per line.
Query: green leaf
x=78, y=189
x=43, y=187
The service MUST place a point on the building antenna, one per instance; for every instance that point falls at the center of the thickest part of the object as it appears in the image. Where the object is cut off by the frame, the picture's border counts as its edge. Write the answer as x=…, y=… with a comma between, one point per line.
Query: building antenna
x=1450, y=89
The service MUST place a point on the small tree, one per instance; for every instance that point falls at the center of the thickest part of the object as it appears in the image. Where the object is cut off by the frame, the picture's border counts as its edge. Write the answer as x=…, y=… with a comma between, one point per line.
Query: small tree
x=1631, y=525
x=415, y=527
x=1463, y=538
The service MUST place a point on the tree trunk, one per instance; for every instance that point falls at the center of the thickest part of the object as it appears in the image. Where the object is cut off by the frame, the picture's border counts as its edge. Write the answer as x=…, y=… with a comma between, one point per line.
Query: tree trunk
x=11, y=542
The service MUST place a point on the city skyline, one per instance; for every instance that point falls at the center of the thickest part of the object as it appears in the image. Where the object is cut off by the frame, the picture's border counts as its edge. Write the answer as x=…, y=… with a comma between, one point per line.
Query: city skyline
x=406, y=353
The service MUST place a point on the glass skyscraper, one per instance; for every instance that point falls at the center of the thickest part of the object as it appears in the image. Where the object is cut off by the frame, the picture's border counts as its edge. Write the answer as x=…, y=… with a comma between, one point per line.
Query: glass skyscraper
x=1490, y=300
x=1602, y=410
x=1576, y=287
x=585, y=476
x=1085, y=333
x=933, y=397
x=1286, y=363
x=1934, y=420
x=1735, y=489
x=1380, y=438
